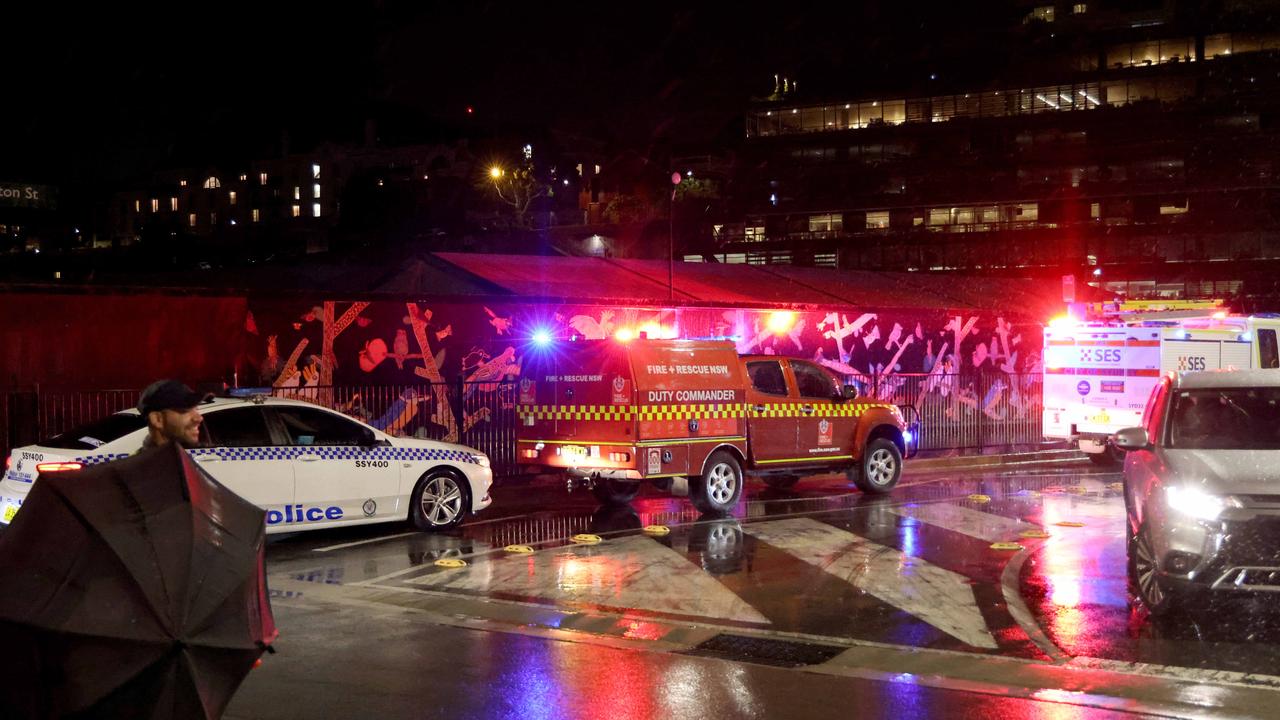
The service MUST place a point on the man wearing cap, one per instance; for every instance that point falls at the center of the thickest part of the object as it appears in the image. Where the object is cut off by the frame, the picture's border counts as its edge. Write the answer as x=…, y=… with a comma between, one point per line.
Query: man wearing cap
x=169, y=408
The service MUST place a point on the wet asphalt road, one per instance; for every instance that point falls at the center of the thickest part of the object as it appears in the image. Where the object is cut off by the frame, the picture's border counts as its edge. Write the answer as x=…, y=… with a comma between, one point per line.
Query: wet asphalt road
x=818, y=566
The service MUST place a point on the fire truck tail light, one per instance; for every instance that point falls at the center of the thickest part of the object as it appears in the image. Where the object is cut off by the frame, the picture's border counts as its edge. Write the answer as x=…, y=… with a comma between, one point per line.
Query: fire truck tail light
x=58, y=467
x=619, y=457
x=530, y=453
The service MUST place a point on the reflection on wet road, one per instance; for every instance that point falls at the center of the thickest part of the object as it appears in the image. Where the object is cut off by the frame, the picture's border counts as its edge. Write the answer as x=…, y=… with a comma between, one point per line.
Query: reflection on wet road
x=947, y=563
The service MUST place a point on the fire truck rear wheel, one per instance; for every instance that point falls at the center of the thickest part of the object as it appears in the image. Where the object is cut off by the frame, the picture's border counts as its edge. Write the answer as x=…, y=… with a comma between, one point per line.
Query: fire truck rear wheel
x=880, y=468
x=718, y=489
x=781, y=482
x=615, y=492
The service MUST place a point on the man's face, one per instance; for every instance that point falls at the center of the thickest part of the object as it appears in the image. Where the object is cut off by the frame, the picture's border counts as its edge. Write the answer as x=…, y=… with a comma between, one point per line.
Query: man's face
x=180, y=426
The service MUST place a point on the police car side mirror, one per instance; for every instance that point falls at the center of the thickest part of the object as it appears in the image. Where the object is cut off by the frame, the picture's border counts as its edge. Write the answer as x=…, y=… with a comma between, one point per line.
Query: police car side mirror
x=848, y=392
x=1134, y=438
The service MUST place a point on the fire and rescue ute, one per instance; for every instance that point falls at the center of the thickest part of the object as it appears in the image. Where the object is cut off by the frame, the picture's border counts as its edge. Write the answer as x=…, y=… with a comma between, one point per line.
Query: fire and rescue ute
x=1099, y=375
x=692, y=416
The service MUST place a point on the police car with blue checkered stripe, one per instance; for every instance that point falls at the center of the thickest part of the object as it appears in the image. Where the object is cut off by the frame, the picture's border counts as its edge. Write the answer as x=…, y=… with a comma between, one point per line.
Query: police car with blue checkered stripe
x=307, y=466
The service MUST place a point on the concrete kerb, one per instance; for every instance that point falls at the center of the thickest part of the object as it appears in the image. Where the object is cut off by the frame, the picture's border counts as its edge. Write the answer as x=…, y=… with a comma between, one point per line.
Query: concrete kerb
x=959, y=462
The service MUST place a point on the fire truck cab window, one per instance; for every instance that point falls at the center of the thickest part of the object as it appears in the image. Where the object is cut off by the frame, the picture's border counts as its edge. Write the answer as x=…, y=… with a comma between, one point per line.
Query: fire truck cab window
x=813, y=382
x=1268, y=354
x=767, y=377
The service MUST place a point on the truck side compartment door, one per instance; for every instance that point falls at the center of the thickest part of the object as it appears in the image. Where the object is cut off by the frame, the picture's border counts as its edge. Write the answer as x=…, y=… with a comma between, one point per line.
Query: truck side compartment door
x=772, y=422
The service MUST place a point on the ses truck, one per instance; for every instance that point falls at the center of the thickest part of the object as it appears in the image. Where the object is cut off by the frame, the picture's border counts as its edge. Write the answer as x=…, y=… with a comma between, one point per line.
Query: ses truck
x=1098, y=376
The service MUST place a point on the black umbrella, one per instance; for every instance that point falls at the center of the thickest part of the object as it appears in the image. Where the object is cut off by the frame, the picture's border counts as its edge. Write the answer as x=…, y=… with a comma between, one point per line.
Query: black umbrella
x=134, y=589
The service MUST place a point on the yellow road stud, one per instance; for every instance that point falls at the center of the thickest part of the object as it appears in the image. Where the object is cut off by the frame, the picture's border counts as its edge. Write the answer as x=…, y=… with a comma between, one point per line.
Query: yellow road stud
x=980, y=498
x=1069, y=523
x=1006, y=546
x=1078, y=490
x=656, y=529
x=586, y=539
x=451, y=563
x=1034, y=534
x=520, y=549
x=1116, y=486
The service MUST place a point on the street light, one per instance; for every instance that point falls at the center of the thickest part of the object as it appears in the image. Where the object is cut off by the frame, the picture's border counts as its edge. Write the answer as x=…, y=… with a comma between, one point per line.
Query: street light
x=671, y=239
x=495, y=172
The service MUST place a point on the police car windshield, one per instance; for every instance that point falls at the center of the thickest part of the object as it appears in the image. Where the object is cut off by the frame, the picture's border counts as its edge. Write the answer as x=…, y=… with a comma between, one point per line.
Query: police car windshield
x=93, y=435
x=1227, y=419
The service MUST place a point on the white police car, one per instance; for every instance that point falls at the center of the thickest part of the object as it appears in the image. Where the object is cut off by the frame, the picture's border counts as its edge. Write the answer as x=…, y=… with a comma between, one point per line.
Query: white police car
x=307, y=466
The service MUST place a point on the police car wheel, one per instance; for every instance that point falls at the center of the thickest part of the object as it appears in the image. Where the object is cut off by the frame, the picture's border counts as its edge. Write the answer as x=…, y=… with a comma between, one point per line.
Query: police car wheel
x=781, y=482
x=880, y=468
x=439, y=502
x=718, y=490
x=615, y=492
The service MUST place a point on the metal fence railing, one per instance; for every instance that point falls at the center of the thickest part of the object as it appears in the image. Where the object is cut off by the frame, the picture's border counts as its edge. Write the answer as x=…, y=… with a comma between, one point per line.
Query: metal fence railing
x=967, y=410
x=953, y=411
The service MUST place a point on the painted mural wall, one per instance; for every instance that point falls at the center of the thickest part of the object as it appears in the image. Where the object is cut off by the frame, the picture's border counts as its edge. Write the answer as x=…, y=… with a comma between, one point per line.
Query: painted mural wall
x=364, y=344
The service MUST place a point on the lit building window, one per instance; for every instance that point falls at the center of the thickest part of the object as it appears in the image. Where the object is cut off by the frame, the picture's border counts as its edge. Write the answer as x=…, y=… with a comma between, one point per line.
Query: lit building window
x=182, y=183
x=1044, y=13
x=754, y=233
x=262, y=178
x=191, y=219
x=243, y=177
x=212, y=183
x=878, y=220
x=297, y=211
x=173, y=204
x=213, y=218
x=315, y=171
x=137, y=206
x=1079, y=9
x=826, y=223
x=232, y=197
x=315, y=190
x=257, y=214
x=297, y=192
x=315, y=209
x=155, y=205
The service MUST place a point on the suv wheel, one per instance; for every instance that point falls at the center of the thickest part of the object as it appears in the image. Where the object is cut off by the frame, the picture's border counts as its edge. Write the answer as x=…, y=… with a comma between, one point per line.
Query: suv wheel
x=1144, y=574
x=880, y=468
x=719, y=487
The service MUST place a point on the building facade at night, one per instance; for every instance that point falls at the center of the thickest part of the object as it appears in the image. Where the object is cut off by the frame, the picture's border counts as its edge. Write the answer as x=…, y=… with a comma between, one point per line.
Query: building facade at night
x=1132, y=143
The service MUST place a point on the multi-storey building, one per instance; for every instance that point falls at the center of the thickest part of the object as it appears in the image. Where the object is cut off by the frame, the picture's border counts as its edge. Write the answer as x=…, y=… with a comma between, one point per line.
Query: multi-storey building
x=1133, y=142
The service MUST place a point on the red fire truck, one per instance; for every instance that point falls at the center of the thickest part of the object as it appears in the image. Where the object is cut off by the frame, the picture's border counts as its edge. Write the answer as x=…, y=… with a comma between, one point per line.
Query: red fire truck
x=692, y=416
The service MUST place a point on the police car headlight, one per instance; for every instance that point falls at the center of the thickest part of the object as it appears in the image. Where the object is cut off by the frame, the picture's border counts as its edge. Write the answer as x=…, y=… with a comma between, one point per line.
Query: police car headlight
x=482, y=460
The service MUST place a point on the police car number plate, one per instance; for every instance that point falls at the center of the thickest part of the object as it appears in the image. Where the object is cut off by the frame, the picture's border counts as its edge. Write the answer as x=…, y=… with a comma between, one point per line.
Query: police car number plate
x=9, y=512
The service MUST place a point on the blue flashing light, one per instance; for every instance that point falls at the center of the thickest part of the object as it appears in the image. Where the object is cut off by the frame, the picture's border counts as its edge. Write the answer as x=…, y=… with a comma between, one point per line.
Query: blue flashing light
x=542, y=337
x=907, y=437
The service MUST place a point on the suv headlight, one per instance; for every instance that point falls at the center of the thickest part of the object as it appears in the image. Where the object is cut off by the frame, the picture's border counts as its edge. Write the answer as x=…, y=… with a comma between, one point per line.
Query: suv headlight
x=481, y=460
x=1197, y=503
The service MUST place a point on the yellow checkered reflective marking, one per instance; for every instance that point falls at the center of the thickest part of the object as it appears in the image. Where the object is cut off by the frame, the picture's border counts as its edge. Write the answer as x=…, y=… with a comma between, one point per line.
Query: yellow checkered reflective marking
x=691, y=411
x=791, y=409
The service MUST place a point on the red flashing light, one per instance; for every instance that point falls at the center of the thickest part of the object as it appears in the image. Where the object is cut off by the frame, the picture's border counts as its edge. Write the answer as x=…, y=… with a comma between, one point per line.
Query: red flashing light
x=8, y=461
x=58, y=467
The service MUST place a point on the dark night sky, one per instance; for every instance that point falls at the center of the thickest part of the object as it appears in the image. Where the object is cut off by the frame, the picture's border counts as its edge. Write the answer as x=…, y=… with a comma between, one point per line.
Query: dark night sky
x=105, y=92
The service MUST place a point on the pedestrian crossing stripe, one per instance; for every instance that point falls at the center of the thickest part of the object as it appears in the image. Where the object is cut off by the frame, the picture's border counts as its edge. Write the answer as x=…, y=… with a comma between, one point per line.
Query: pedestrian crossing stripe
x=325, y=452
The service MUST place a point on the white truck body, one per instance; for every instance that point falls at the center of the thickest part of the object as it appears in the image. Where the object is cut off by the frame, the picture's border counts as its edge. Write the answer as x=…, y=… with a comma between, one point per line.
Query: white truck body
x=1098, y=376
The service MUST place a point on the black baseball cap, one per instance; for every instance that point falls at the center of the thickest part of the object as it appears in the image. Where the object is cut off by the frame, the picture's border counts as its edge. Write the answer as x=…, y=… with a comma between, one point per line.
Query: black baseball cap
x=169, y=395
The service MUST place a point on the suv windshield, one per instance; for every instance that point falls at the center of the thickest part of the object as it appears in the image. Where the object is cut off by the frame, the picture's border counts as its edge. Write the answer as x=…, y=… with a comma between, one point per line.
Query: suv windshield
x=93, y=435
x=1226, y=419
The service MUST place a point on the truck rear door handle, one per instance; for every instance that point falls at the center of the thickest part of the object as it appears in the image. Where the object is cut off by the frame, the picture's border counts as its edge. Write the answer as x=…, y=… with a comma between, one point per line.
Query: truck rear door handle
x=807, y=409
x=308, y=458
x=758, y=408
x=208, y=458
